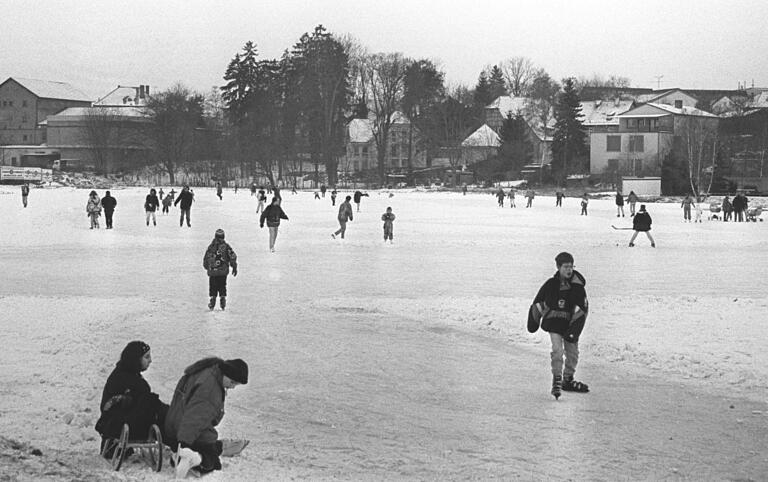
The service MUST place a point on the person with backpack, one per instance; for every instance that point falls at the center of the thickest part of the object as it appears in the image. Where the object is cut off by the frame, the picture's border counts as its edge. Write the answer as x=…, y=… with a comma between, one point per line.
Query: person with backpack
x=217, y=259
x=273, y=214
x=345, y=214
x=151, y=204
x=108, y=203
x=24, y=193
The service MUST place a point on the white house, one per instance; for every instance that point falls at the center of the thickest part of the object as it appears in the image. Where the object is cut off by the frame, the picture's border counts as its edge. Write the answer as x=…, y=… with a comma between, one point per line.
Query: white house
x=674, y=97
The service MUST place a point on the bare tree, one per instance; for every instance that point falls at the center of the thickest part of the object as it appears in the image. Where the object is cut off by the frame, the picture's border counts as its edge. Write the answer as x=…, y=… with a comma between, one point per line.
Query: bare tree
x=112, y=134
x=519, y=72
x=385, y=74
x=700, y=143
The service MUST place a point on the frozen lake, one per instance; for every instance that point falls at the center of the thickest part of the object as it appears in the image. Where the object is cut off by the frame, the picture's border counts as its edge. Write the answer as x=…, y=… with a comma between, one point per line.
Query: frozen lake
x=404, y=361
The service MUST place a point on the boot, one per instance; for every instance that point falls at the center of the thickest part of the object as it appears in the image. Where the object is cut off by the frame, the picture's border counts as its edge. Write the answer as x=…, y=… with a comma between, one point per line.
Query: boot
x=212, y=303
x=223, y=302
x=557, y=386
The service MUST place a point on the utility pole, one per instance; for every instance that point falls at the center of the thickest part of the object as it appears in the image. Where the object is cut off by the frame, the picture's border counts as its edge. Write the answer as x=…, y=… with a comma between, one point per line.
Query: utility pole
x=658, y=81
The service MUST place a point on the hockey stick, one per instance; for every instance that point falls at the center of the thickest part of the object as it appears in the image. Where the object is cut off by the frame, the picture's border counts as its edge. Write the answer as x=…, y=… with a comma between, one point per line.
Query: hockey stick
x=621, y=229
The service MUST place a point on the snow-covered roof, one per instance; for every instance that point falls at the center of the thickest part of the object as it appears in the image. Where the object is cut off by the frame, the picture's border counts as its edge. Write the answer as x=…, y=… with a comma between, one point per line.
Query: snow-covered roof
x=137, y=112
x=484, y=136
x=649, y=98
x=122, y=96
x=603, y=112
x=509, y=105
x=760, y=101
x=48, y=89
x=688, y=111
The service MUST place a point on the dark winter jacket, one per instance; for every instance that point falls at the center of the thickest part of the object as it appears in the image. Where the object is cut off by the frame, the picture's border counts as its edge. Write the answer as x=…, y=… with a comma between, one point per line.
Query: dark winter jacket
x=357, y=196
x=388, y=218
x=273, y=214
x=198, y=404
x=561, y=307
x=108, y=203
x=619, y=200
x=151, y=203
x=185, y=198
x=25, y=190
x=219, y=257
x=127, y=398
x=345, y=212
x=641, y=221
x=262, y=195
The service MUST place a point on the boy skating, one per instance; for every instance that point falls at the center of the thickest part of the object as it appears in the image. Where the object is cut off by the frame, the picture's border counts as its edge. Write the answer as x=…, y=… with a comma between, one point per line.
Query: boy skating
x=561, y=307
x=217, y=259
x=641, y=223
x=388, y=218
x=345, y=214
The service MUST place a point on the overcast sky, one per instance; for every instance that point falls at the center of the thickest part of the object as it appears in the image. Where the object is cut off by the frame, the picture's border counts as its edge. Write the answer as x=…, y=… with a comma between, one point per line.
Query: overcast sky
x=98, y=45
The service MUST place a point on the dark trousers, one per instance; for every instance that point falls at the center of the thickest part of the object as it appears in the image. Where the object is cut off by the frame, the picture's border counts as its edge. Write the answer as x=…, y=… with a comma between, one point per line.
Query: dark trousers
x=108, y=217
x=184, y=212
x=217, y=285
x=559, y=202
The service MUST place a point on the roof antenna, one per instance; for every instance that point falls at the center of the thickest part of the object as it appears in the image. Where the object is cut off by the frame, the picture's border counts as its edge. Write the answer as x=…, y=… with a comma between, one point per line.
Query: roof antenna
x=658, y=81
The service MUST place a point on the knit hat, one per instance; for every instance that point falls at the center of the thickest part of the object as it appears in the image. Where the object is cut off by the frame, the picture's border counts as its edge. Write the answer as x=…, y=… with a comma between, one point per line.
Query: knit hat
x=642, y=207
x=563, y=258
x=130, y=358
x=220, y=233
x=236, y=370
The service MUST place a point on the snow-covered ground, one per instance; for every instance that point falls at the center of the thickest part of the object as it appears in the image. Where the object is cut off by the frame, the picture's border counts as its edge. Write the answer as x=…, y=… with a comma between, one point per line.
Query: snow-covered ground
x=403, y=361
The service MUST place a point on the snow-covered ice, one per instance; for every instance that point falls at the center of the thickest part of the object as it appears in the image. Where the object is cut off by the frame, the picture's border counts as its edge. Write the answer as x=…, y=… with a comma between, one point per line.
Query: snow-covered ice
x=403, y=361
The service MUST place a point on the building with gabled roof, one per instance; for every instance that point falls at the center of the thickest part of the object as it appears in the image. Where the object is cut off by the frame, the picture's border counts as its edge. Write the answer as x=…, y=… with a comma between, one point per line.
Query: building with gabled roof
x=24, y=103
x=125, y=96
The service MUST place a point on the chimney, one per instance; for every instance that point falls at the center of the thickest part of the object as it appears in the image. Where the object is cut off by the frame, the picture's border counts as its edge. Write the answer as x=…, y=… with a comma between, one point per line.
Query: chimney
x=146, y=91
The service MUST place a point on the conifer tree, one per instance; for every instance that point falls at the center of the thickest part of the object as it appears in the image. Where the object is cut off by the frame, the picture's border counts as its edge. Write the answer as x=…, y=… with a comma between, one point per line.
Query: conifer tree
x=498, y=85
x=483, y=95
x=569, y=139
x=516, y=149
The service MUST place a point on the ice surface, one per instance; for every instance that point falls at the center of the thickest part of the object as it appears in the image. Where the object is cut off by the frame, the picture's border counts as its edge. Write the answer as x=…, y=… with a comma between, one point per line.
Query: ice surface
x=371, y=360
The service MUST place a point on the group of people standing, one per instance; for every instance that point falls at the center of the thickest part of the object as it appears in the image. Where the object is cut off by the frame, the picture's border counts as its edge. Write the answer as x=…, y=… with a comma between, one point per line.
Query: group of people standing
x=108, y=203
x=735, y=209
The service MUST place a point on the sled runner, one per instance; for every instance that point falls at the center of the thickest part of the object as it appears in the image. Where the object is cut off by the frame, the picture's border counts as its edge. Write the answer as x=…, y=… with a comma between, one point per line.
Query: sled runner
x=150, y=450
x=621, y=229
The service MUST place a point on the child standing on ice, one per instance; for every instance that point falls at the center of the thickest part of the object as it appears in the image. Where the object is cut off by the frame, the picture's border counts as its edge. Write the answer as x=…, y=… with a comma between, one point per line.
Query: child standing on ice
x=93, y=209
x=388, y=218
x=217, y=259
x=561, y=307
x=584, y=204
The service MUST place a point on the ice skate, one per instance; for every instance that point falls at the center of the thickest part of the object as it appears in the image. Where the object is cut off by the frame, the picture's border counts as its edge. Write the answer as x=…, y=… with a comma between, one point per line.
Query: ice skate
x=223, y=302
x=333, y=236
x=631, y=245
x=212, y=303
x=570, y=385
x=557, y=386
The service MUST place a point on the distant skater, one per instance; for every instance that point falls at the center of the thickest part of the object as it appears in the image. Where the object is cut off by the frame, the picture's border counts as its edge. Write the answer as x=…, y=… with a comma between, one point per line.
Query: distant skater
x=167, y=201
x=619, y=204
x=24, y=193
x=686, y=205
x=358, y=198
x=185, y=198
x=109, y=204
x=727, y=209
x=632, y=199
x=317, y=195
x=323, y=189
x=262, y=198
x=641, y=223
x=160, y=194
x=150, y=206
x=584, y=204
x=561, y=308
x=217, y=259
x=219, y=190
x=559, y=195
x=500, y=196
x=530, y=194
x=273, y=214
x=93, y=209
x=511, y=196
x=345, y=214
x=388, y=218
x=333, y=197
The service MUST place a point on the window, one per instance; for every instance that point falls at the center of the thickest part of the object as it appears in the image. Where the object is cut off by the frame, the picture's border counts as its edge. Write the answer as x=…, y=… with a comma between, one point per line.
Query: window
x=632, y=123
x=365, y=150
x=613, y=165
x=613, y=144
x=24, y=138
x=636, y=144
x=678, y=104
x=10, y=103
x=638, y=167
x=24, y=117
x=23, y=103
x=13, y=161
x=5, y=103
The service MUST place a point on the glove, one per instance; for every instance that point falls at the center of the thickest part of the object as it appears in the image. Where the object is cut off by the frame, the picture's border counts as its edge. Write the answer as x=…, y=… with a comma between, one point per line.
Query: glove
x=533, y=322
x=261, y=226
x=234, y=271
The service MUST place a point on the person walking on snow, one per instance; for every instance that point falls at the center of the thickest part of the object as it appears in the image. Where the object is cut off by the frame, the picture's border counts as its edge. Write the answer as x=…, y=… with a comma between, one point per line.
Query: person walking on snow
x=358, y=197
x=160, y=194
x=500, y=196
x=511, y=197
x=619, y=204
x=530, y=194
x=262, y=198
x=632, y=199
x=217, y=259
x=727, y=209
x=561, y=308
x=273, y=214
x=109, y=204
x=150, y=206
x=641, y=223
x=345, y=214
x=323, y=189
x=584, y=204
x=93, y=209
x=185, y=198
x=219, y=190
x=167, y=201
x=388, y=218
x=24, y=193
x=559, y=195
x=196, y=409
x=333, y=197
x=686, y=205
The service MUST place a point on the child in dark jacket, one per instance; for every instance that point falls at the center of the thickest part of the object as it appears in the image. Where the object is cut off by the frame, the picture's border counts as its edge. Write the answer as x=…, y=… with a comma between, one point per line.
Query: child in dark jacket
x=273, y=214
x=561, y=308
x=641, y=223
x=388, y=218
x=217, y=259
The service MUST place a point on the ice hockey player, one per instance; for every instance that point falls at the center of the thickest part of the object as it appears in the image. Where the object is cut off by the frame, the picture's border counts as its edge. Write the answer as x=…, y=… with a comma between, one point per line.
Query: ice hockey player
x=641, y=223
x=217, y=259
x=561, y=308
x=388, y=218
